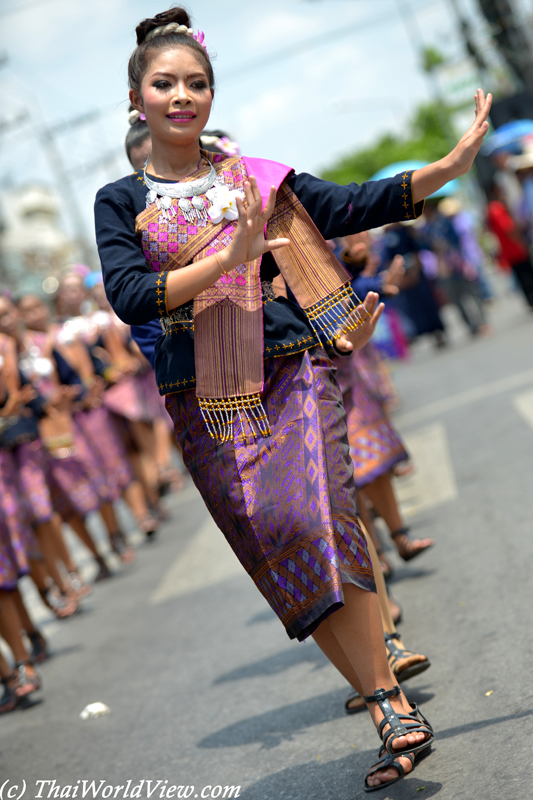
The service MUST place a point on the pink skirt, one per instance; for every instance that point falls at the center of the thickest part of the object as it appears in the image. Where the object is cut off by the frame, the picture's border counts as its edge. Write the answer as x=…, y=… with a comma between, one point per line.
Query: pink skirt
x=102, y=452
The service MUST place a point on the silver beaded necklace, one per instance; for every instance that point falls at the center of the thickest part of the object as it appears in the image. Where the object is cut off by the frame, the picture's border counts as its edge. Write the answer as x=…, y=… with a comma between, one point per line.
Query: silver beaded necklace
x=190, y=203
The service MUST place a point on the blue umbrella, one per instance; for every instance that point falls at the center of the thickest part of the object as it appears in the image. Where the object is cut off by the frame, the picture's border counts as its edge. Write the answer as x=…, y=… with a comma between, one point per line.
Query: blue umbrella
x=452, y=187
x=507, y=138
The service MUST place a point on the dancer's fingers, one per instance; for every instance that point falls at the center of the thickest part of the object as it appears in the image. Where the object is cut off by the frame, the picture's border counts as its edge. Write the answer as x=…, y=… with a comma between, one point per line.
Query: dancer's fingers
x=249, y=195
x=256, y=193
x=377, y=314
x=271, y=202
x=370, y=303
x=275, y=244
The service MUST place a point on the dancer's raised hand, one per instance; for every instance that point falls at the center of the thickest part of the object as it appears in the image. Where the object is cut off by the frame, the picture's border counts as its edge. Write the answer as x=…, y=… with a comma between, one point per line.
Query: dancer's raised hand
x=370, y=311
x=468, y=147
x=429, y=179
x=249, y=240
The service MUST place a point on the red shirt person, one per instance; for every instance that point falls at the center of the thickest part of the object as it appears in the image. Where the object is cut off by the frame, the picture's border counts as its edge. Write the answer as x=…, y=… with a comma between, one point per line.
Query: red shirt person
x=514, y=250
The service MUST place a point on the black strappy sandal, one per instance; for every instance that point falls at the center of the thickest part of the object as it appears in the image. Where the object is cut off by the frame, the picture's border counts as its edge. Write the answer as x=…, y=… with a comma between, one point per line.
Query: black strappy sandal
x=407, y=548
x=356, y=709
x=386, y=760
x=400, y=724
x=396, y=654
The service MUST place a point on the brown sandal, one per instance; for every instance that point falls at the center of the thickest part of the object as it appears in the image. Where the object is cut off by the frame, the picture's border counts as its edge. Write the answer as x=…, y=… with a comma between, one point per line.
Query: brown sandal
x=401, y=660
x=25, y=684
x=408, y=548
x=62, y=605
x=80, y=589
x=120, y=546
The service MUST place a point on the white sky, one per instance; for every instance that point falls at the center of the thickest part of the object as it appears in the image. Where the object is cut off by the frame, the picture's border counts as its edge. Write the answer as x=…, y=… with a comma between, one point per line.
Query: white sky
x=303, y=107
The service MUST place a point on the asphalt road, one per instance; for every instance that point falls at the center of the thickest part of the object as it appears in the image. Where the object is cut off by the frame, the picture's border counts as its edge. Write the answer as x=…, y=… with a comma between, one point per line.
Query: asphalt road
x=203, y=685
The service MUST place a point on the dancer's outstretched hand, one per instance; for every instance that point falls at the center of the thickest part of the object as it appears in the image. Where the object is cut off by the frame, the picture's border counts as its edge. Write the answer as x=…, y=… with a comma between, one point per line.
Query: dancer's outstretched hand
x=467, y=148
x=355, y=340
x=249, y=238
x=429, y=179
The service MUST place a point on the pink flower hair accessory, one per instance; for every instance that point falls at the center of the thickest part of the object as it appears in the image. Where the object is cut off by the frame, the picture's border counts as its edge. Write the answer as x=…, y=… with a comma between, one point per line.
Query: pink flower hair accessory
x=199, y=36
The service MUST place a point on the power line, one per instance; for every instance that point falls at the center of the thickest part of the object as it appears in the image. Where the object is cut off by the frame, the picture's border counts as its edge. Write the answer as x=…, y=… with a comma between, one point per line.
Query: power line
x=319, y=40
x=16, y=9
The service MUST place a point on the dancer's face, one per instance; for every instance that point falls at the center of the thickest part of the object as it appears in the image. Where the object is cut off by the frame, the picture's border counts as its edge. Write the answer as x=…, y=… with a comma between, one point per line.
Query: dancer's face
x=34, y=313
x=138, y=155
x=100, y=297
x=9, y=318
x=175, y=97
x=71, y=294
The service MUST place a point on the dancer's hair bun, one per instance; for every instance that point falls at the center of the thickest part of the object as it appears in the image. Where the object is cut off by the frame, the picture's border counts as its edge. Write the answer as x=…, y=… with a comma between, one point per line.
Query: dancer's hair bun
x=174, y=16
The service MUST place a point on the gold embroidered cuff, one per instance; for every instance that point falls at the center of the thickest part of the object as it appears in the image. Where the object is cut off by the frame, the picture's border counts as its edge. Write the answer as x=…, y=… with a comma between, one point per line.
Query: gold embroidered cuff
x=411, y=210
x=161, y=294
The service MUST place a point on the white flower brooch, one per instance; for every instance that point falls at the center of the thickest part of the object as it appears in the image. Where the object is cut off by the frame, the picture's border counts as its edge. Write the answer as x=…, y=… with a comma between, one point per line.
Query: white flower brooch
x=223, y=203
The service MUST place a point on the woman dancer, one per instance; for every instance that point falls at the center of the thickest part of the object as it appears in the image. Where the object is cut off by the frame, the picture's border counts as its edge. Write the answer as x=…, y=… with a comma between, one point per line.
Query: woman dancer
x=375, y=446
x=131, y=396
x=112, y=470
x=21, y=444
x=54, y=468
x=264, y=437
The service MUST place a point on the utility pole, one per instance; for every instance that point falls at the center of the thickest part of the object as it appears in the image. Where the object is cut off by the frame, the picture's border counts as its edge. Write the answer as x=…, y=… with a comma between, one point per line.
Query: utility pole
x=416, y=38
x=47, y=137
x=65, y=187
x=511, y=39
x=470, y=46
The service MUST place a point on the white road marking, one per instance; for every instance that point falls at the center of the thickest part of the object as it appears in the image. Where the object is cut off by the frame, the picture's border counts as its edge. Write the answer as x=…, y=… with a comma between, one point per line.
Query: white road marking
x=206, y=561
x=463, y=399
x=523, y=403
x=433, y=481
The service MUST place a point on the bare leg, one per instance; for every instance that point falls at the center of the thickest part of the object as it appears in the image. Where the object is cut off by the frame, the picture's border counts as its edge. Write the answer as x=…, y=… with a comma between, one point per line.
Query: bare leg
x=5, y=669
x=388, y=627
x=368, y=522
x=11, y=626
x=163, y=444
x=359, y=633
x=326, y=640
x=63, y=606
x=117, y=540
x=383, y=597
x=78, y=526
x=39, y=574
x=46, y=536
x=135, y=497
x=168, y=474
x=27, y=680
x=381, y=493
x=61, y=549
x=107, y=512
x=25, y=620
x=144, y=438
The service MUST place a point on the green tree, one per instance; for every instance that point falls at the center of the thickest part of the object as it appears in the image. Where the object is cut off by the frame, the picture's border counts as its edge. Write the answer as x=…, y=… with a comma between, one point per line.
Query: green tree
x=425, y=140
x=432, y=59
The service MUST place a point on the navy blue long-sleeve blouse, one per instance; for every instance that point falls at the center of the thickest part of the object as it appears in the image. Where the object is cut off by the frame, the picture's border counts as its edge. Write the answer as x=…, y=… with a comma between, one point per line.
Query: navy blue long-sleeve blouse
x=134, y=290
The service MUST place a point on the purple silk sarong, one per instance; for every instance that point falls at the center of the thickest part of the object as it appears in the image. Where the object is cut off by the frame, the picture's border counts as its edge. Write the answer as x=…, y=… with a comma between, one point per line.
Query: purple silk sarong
x=375, y=446
x=286, y=504
x=53, y=485
x=73, y=492
x=17, y=541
